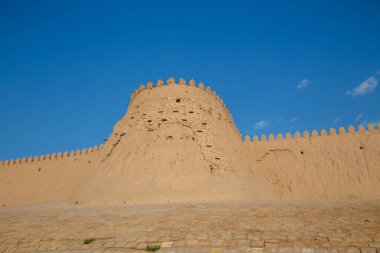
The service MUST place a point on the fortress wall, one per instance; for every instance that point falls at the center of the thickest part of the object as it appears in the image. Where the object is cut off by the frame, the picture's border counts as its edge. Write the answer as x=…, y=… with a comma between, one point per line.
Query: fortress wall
x=181, y=140
x=176, y=143
x=321, y=166
x=45, y=178
x=182, y=82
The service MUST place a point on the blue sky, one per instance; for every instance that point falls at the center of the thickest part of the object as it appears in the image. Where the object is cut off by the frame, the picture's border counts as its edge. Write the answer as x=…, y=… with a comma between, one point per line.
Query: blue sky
x=67, y=68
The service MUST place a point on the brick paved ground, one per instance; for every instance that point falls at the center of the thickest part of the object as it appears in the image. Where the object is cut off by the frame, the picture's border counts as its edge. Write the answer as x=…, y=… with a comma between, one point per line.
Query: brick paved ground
x=254, y=227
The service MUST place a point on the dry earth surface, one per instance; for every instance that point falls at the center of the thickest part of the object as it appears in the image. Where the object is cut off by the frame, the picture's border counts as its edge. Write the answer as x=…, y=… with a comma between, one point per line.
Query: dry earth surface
x=212, y=227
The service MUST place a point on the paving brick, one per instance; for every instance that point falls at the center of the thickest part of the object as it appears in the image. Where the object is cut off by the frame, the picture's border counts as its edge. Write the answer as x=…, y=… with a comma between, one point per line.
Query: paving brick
x=179, y=243
x=167, y=244
x=374, y=244
x=368, y=250
x=122, y=230
x=353, y=250
x=141, y=245
x=257, y=250
x=257, y=243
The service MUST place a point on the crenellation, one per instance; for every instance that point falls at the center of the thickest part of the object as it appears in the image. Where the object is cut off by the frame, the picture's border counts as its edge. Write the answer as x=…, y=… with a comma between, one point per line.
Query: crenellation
x=247, y=138
x=208, y=89
x=170, y=81
x=192, y=83
x=150, y=85
x=141, y=88
x=182, y=81
x=263, y=137
x=323, y=133
x=160, y=82
x=47, y=157
x=201, y=86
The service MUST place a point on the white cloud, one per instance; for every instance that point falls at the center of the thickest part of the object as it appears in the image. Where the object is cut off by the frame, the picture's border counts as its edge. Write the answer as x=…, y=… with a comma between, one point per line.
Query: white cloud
x=359, y=116
x=336, y=121
x=261, y=124
x=364, y=88
x=303, y=84
x=292, y=120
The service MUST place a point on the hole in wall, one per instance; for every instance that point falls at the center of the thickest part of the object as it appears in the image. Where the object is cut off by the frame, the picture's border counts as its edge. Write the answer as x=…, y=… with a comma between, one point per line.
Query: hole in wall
x=175, y=111
x=199, y=131
x=217, y=158
x=164, y=120
x=191, y=111
x=204, y=123
x=149, y=120
x=178, y=100
x=160, y=111
x=361, y=147
x=169, y=137
x=132, y=117
x=39, y=169
x=184, y=119
x=209, y=146
x=301, y=152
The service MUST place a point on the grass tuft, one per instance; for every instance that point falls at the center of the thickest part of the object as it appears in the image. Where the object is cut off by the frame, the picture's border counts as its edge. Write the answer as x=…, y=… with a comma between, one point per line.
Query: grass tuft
x=88, y=240
x=152, y=248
